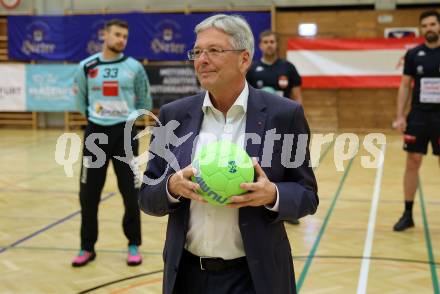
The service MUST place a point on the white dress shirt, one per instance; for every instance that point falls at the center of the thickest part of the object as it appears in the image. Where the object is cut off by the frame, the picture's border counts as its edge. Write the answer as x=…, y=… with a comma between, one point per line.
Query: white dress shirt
x=213, y=230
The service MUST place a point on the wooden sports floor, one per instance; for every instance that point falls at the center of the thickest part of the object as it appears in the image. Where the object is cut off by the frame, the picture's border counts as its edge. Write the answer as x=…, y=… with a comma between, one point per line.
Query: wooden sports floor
x=348, y=246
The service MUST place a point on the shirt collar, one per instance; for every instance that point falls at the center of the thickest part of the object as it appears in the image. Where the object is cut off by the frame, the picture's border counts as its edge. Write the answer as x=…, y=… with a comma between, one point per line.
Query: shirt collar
x=101, y=57
x=240, y=102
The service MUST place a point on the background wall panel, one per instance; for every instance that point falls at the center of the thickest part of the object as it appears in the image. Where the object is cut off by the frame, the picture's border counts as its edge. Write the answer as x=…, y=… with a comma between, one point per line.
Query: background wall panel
x=357, y=109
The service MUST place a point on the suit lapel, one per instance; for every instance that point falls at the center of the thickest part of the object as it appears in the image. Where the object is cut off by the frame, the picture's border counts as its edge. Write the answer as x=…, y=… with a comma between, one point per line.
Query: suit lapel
x=255, y=126
x=255, y=122
x=191, y=123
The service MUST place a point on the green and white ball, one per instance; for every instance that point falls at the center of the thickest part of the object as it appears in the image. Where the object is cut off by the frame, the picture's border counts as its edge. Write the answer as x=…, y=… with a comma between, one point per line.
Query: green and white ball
x=221, y=167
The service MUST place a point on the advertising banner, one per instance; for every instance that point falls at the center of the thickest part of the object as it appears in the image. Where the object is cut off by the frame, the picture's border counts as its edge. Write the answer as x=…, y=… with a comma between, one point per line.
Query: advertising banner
x=49, y=87
x=152, y=36
x=171, y=82
x=12, y=87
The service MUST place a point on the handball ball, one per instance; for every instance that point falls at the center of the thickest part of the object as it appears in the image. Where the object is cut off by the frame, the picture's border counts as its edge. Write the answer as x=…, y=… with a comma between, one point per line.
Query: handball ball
x=221, y=167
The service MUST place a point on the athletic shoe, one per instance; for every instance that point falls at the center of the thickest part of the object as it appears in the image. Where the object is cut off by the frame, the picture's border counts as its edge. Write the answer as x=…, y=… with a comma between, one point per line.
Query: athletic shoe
x=134, y=257
x=405, y=222
x=83, y=258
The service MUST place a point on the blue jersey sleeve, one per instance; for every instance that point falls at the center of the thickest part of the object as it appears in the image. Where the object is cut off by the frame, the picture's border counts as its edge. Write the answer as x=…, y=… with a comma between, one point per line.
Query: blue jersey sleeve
x=142, y=90
x=80, y=89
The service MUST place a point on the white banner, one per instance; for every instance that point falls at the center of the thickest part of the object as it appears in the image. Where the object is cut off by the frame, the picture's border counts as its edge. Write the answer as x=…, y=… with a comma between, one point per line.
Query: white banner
x=13, y=87
x=348, y=63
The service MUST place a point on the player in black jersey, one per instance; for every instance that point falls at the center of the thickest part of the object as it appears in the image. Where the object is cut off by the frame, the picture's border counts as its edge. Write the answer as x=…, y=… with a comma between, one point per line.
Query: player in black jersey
x=422, y=73
x=272, y=73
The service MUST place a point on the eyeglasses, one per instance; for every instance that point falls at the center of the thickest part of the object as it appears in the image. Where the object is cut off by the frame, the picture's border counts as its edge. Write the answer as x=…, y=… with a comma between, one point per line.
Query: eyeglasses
x=194, y=54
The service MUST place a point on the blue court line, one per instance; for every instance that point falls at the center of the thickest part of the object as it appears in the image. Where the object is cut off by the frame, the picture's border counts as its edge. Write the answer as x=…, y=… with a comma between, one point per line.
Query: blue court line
x=323, y=228
x=432, y=266
x=120, y=280
x=4, y=249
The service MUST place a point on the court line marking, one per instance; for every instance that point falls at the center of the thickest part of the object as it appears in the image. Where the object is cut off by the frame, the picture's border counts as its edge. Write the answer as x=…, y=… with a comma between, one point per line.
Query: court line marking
x=39, y=142
x=365, y=266
x=36, y=233
x=119, y=280
x=108, y=196
x=383, y=201
x=136, y=285
x=296, y=257
x=432, y=266
x=17, y=182
x=11, y=266
x=380, y=258
x=321, y=157
x=107, y=284
x=56, y=168
x=41, y=248
x=324, y=226
x=36, y=191
x=11, y=143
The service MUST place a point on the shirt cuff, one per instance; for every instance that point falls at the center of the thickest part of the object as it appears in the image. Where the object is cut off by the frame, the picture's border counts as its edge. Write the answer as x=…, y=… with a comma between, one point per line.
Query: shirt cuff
x=275, y=207
x=171, y=199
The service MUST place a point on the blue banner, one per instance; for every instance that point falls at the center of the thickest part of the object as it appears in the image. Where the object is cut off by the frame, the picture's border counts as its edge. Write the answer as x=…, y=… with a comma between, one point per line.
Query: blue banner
x=49, y=87
x=154, y=36
x=41, y=38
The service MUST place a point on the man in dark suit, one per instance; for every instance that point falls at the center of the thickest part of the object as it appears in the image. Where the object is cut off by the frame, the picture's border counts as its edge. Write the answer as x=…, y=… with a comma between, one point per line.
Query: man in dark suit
x=243, y=247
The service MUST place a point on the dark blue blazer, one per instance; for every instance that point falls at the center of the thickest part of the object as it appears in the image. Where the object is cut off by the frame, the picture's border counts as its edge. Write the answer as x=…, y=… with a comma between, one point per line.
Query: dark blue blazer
x=265, y=240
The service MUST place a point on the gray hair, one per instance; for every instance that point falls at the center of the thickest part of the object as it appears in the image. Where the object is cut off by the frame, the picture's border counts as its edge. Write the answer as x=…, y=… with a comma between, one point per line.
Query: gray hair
x=233, y=25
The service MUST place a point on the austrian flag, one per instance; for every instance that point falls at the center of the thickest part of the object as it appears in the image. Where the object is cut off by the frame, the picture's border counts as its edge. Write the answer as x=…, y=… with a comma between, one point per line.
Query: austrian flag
x=350, y=63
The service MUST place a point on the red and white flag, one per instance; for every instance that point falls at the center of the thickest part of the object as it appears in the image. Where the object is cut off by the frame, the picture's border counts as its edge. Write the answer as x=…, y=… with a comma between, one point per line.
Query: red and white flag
x=349, y=63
